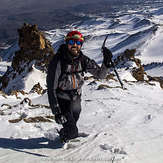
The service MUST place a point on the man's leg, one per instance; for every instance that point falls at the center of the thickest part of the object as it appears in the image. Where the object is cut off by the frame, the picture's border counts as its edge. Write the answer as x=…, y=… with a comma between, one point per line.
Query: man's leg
x=70, y=129
x=76, y=108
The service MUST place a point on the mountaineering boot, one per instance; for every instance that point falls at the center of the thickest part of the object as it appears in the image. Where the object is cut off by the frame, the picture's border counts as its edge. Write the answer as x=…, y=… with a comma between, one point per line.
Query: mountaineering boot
x=65, y=137
x=62, y=136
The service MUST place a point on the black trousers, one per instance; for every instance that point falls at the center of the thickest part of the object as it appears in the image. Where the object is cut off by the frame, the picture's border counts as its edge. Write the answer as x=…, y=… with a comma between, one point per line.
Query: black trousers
x=71, y=110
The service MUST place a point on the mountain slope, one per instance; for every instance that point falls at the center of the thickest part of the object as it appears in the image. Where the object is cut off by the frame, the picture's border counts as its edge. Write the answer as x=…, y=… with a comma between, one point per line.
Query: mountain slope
x=124, y=125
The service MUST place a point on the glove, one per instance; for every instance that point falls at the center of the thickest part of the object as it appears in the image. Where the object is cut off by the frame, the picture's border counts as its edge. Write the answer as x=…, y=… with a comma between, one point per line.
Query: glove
x=60, y=119
x=107, y=57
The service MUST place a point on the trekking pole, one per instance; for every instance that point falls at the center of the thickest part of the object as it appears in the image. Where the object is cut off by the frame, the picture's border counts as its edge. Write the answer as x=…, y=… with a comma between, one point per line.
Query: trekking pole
x=112, y=64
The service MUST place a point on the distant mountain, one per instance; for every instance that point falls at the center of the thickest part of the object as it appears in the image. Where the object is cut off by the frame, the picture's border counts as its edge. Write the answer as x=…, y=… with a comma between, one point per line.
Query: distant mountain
x=47, y=14
x=52, y=14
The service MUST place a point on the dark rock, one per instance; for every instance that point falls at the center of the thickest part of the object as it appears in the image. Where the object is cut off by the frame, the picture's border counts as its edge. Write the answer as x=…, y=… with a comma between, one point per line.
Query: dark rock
x=35, y=50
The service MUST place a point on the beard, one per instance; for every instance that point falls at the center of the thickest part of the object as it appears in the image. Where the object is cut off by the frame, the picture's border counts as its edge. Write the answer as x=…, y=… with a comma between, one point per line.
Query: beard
x=74, y=51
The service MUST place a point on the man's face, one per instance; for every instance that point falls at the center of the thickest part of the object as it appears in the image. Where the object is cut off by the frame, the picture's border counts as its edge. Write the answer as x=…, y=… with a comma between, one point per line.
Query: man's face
x=74, y=47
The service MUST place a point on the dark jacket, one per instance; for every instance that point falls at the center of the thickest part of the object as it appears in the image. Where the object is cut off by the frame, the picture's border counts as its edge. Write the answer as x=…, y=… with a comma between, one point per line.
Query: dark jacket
x=66, y=75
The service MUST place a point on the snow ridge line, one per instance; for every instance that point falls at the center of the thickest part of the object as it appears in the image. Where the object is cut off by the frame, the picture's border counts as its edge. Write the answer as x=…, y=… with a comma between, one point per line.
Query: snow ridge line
x=152, y=65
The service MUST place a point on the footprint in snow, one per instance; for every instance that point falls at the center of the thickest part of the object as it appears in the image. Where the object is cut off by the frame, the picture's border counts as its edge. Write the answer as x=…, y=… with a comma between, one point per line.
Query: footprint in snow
x=106, y=147
x=113, y=149
x=148, y=118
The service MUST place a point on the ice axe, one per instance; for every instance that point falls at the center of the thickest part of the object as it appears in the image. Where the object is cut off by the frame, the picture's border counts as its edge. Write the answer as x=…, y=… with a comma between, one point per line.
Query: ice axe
x=112, y=64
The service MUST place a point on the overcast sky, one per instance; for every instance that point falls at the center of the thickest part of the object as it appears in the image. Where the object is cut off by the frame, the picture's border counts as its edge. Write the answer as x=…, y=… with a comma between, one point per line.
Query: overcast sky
x=15, y=4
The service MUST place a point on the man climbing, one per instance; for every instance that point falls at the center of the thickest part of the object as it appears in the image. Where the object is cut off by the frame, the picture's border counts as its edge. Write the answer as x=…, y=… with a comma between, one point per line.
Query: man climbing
x=65, y=78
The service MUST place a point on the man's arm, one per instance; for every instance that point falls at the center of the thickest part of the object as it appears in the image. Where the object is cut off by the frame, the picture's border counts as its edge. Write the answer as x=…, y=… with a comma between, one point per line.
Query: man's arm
x=92, y=67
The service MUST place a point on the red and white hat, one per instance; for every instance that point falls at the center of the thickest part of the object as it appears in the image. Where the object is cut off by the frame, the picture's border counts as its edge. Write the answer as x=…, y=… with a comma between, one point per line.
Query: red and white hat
x=74, y=35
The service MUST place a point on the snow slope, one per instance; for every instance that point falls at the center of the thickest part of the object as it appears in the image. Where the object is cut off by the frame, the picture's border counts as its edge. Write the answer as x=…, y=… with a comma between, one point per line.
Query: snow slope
x=125, y=126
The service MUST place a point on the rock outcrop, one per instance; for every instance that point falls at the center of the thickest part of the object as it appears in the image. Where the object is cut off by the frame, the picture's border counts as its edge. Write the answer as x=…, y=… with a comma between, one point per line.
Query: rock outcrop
x=35, y=51
x=33, y=46
x=138, y=70
x=157, y=79
x=38, y=89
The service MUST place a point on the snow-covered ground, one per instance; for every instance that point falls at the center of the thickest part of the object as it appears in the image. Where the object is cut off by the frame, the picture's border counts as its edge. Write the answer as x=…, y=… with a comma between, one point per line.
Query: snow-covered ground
x=125, y=126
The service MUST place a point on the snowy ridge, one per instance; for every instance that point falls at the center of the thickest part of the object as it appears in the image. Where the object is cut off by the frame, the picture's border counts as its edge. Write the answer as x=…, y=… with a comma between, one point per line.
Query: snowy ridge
x=125, y=126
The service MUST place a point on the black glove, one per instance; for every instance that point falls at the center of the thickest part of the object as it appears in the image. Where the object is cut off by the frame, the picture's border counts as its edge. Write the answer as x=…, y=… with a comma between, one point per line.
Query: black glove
x=107, y=57
x=60, y=119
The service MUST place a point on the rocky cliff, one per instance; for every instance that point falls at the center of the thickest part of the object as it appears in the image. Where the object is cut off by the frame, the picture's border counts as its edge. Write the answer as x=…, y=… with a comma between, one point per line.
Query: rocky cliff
x=35, y=53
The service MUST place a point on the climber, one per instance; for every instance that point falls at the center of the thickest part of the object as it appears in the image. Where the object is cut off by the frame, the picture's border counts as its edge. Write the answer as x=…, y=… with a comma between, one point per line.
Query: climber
x=65, y=79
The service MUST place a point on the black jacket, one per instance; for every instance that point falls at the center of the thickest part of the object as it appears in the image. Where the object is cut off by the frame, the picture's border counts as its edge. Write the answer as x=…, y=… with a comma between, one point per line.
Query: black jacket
x=66, y=75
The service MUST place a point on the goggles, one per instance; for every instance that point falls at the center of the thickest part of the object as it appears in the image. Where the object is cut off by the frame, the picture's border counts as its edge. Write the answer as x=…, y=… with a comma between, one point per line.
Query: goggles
x=72, y=42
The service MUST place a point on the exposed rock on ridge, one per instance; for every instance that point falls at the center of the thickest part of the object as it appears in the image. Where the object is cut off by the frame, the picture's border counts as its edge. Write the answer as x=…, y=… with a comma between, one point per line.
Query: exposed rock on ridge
x=35, y=51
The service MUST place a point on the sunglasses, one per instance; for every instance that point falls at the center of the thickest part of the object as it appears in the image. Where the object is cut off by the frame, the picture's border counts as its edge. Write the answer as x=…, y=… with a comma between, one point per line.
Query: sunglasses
x=72, y=42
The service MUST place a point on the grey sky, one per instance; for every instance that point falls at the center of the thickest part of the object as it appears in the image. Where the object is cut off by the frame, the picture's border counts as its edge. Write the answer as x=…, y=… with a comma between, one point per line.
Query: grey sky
x=56, y=4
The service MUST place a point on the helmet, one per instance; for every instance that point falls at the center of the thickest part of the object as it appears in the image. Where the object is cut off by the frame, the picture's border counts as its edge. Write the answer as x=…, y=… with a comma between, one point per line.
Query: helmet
x=75, y=35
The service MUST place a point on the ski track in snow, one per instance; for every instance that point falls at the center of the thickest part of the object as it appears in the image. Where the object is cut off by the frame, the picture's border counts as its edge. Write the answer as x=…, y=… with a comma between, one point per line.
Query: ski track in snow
x=125, y=126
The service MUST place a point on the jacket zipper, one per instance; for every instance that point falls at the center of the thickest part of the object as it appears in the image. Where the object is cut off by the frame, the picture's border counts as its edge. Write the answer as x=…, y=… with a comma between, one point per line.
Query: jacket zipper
x=73, y=78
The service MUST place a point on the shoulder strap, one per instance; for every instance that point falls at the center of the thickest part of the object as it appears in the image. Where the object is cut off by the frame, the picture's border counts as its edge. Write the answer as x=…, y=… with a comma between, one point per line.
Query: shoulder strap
x=83, y=63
